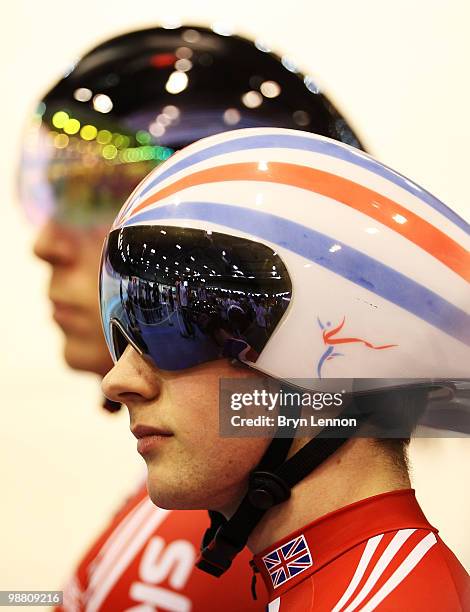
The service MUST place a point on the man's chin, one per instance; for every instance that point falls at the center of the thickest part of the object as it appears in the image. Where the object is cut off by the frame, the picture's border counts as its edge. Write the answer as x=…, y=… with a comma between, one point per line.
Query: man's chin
x=174, y=497
x=175, y=502
x=187, y=495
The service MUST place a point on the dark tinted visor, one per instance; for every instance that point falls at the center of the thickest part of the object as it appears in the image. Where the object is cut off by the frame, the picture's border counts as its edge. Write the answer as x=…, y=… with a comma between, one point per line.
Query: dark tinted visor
x=186, y=296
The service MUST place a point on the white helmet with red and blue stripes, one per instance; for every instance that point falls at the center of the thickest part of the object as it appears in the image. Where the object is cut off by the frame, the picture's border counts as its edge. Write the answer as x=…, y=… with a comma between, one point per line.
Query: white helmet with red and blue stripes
x=380, y=268
x=311, y=262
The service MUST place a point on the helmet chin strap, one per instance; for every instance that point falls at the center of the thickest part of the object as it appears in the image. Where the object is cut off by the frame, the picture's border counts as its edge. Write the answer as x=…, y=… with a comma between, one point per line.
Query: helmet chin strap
x=270, y=484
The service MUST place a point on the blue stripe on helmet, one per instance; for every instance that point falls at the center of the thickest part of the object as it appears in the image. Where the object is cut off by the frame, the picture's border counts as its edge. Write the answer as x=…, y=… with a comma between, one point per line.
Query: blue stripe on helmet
x=325, y=147
x=347, y=262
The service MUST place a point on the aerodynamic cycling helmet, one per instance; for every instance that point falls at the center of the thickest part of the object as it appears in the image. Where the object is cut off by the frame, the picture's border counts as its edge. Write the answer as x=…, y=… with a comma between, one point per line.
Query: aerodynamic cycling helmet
x=133, y=100
x=302, y=258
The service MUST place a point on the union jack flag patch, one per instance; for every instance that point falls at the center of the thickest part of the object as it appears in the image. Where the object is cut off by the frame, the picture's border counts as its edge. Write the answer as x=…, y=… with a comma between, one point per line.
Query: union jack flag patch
x=288, y=561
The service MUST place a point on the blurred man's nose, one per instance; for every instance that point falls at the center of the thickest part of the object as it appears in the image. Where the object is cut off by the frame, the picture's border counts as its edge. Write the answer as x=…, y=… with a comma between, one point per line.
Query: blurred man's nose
x=55, y=244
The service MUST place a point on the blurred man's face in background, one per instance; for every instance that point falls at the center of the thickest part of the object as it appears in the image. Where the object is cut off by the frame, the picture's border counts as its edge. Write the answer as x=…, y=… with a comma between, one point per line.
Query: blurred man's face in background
x=73, y=255
x=72, y=194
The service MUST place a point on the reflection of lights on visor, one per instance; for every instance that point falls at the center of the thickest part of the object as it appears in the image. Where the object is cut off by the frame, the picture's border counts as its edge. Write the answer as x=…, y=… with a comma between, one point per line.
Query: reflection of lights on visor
x=81, y=178
x=81, y=174
x=186, y=296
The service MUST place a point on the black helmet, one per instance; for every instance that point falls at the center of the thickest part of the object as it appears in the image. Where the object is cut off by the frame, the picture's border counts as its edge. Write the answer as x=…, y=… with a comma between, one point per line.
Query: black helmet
x=133, y=100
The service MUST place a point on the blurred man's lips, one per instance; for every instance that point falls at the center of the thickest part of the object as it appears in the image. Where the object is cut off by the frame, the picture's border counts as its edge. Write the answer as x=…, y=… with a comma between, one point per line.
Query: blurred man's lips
x=149, y=437
x=65, y=306
x=64, y=313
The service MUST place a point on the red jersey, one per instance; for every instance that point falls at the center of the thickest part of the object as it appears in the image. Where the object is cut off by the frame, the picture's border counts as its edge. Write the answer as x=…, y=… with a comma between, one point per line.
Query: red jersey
x=144, y=561
x=377, y=554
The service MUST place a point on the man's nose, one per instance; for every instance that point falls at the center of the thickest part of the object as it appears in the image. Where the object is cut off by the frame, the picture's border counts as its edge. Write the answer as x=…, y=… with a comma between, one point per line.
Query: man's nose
x=55, y=244
x=132, y=380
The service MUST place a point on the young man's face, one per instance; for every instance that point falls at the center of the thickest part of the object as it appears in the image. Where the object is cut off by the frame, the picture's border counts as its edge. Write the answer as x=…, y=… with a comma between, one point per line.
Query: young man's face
x=74, y=256
x=189, y=464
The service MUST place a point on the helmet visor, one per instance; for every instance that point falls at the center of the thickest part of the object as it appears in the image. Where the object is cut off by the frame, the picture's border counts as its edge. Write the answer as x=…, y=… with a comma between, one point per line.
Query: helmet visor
x=79, y=182
x=185, y=296
x=82, y=179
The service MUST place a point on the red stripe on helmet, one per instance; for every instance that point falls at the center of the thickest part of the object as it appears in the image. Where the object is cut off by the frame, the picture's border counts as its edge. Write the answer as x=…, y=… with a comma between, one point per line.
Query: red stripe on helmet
x=371, y=203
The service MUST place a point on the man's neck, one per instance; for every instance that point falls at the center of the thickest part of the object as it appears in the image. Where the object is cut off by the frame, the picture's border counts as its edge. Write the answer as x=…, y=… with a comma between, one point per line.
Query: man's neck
x=358, y=470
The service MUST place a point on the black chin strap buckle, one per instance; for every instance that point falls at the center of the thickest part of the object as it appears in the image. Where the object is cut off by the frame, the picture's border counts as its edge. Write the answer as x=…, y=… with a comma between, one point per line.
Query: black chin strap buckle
x=267, y=490
x=217, y=556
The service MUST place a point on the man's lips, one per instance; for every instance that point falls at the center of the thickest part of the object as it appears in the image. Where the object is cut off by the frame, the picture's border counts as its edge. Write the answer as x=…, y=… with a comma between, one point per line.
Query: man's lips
x=149, y=438
x=144, y=431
